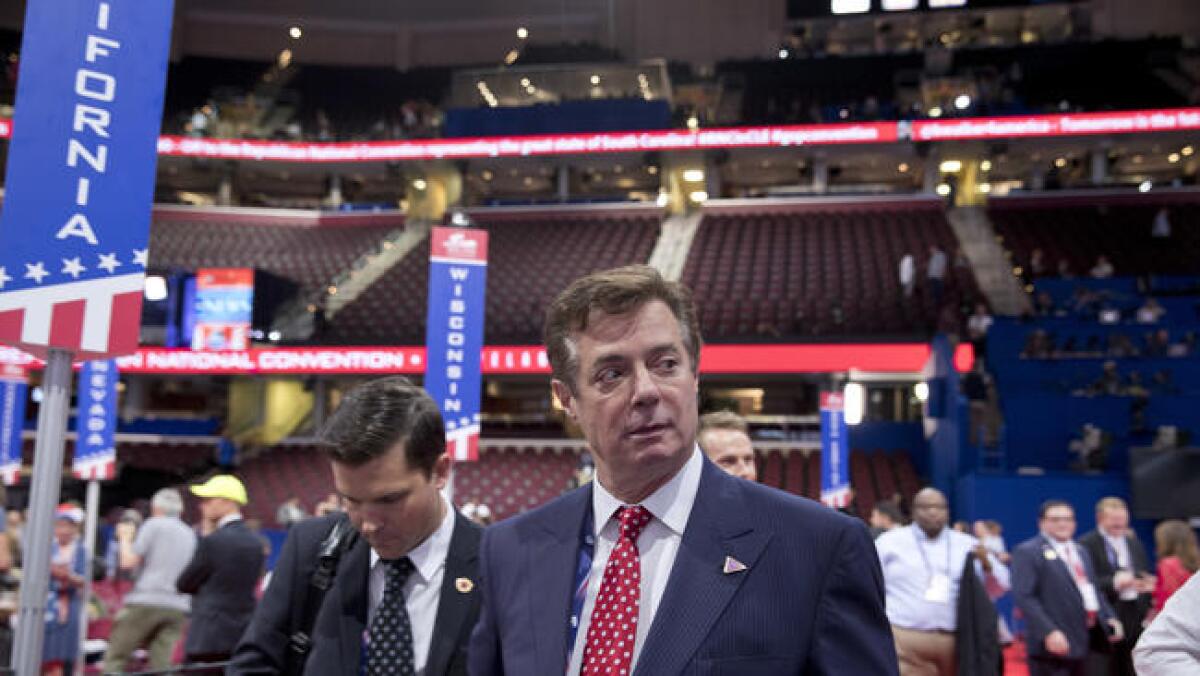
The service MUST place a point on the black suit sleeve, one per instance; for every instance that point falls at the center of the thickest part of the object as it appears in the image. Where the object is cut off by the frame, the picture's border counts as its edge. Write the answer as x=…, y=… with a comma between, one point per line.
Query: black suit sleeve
x=263, y=647
x=852, y=634
x=198, y=569
x=1025, y=594
x=484, y=657
x=1094, y=544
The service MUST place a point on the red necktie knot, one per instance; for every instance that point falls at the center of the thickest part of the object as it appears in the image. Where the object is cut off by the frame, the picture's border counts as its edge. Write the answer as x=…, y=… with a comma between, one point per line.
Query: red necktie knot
x=633, y=521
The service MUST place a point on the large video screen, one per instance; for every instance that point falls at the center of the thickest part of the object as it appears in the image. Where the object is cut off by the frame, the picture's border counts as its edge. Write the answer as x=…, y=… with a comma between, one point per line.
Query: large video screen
x=1166, y=484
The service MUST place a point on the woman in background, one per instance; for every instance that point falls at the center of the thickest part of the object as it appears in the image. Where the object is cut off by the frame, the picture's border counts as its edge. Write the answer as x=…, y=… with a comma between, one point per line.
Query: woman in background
x=1178, y=558
x=64, y=604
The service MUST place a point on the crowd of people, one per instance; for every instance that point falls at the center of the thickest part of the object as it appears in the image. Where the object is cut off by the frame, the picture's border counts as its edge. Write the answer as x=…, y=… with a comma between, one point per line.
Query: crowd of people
x=392, y=579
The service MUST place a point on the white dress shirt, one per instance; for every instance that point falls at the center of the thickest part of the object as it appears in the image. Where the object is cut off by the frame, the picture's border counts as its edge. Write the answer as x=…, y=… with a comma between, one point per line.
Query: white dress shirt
x=1070, y=553
x=1170, y=646
x=911, y=560
x=423, y=588
x=1124, y=562
x=670, y=505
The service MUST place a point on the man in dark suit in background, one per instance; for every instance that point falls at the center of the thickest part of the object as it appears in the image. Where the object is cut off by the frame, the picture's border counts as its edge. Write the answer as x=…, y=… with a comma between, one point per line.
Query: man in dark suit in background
x=1054, y=585
x=403, y=598
x=665, y=564
x=223, y=572
x=1123, y=574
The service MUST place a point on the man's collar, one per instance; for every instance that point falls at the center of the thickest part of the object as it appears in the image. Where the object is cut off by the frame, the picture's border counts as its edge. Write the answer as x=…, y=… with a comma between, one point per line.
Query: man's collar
x=431, y=554
x=670, y=504
x=228, y=519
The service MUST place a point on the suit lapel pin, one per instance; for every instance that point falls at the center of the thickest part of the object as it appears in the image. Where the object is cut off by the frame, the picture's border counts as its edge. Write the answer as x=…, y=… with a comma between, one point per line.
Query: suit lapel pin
x=1050, y=555
x=732, y=565
x=464, y=585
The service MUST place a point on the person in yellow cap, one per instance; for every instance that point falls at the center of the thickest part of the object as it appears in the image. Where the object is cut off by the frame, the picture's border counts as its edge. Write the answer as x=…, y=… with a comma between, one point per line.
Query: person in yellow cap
x=222, y=574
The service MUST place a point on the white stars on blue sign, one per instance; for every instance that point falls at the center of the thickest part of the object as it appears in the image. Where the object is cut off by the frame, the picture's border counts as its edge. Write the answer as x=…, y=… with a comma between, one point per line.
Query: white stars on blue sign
x=72, y=266
x=108, y=262
x=139, y=257
x=36, y=271
x=4, y=277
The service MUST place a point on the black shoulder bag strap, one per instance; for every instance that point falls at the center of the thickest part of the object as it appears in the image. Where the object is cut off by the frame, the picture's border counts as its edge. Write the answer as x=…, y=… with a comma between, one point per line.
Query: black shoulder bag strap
x=304, y=613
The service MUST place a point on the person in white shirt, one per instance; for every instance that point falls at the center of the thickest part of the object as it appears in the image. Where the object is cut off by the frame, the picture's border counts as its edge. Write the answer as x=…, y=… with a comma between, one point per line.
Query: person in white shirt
x=935, y=272
x=908, y=274
x=1170, y=646
x=923, y=565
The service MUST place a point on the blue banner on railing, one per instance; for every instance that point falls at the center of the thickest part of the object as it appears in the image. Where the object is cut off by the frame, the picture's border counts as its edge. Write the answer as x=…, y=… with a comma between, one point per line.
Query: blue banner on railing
x=80, y=177
x=95, y=450
x=835, y=454
x=12, y=421
x=454, y=333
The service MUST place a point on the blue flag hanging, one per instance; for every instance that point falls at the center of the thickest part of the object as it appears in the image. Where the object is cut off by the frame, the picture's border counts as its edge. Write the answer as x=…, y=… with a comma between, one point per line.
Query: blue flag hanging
x=95, y=450
x=454, y=333
x=12, y=421
x=835, y=456
x=80, y=177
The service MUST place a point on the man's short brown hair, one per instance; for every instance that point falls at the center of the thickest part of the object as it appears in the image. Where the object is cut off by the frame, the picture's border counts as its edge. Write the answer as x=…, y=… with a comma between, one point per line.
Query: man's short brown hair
x=378, y=414
x=613, y=292
x=722, y=420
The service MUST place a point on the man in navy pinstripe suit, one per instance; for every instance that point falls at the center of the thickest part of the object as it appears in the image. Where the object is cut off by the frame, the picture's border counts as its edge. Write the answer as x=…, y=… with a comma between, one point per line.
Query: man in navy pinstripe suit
x=711, y=574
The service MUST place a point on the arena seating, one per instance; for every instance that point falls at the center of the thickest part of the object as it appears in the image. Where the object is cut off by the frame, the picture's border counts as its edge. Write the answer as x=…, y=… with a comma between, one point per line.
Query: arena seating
x=512, y=479
x=531, y=256
x=1080, y=228
x=281, y=472
x=311, y=255
x=781, y=272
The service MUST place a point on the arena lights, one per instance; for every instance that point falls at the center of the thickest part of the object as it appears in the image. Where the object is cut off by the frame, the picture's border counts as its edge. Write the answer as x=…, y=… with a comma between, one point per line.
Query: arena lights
x=295, y=32
x=1145, y=186
x=950, y=166
x=984, y=188
x=962, y=102
x=156, y=288
x=935, y=111
x=693, y=175
x=783, y=53
x=1187, y=151
x=698, y=196
x=419, y=184
x=850, y=6
x=921, y=392
x=595, y=79
x=985, y=165
x=943, y=189
x=854, y=400
x=1173, y=158
x=522, y=33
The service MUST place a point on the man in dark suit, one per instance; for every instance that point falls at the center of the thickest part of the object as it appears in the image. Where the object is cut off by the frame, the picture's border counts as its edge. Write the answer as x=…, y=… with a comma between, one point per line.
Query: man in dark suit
x=403, y=597
x=1123, y=574
x=223, y=572
x=665, y=564
x=1054, y=585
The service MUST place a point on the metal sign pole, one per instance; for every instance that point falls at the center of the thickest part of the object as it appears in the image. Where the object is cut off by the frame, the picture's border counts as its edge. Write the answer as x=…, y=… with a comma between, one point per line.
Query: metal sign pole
x=89, y=540
x=43, y=497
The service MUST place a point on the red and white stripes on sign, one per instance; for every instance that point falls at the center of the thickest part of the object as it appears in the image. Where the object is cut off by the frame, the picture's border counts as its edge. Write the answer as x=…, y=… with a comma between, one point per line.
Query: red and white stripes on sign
x=463, y=443
x=100, y=470
x=10, y=474
x=95, y=319
x=837, y=499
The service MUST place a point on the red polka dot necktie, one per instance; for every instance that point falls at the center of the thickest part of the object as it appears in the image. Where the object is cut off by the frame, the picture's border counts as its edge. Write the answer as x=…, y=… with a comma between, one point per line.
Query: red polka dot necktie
x=613, y=629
